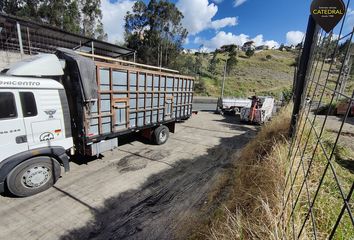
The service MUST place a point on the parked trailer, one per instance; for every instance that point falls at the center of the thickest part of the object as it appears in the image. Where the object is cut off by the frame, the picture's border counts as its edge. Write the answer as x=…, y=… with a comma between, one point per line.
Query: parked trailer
x=232, y=105
x=259, y=112
x=54, y=106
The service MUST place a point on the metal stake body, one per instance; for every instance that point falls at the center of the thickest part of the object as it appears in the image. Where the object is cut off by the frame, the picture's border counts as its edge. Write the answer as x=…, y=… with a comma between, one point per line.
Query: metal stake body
x=304, y=69
x=29, y=42
x=223, y=80
x=92, y=50
x=19, y=37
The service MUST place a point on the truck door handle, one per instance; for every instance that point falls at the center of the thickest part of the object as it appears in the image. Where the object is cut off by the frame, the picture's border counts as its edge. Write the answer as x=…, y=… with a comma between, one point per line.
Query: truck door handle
x=21, y=139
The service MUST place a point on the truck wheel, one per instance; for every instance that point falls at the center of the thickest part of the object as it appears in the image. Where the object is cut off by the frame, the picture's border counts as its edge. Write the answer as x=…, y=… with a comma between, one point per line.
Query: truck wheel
x=33, y=176
x=161, y=135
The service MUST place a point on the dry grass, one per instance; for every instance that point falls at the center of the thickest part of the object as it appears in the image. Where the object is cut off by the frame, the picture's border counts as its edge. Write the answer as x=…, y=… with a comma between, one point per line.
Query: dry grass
x=255, y=75
x=329, y=202
x=253, y=208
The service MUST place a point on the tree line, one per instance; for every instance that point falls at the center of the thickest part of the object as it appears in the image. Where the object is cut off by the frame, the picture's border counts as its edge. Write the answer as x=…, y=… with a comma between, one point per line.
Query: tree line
x=155, y=31
x=76, y=16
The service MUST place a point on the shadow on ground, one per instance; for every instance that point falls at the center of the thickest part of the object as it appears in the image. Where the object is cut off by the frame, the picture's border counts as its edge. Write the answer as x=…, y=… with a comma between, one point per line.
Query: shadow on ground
x=123, y=140
x=160, y=208
x=233, y=122
x=347, y=164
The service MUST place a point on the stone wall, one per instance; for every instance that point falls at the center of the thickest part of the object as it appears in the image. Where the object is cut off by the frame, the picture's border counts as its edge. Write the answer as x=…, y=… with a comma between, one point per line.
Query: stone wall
x=7, y=58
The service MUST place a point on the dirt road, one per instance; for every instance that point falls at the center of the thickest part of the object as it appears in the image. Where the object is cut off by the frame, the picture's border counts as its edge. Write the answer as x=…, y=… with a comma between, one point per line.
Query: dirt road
x=139, y=191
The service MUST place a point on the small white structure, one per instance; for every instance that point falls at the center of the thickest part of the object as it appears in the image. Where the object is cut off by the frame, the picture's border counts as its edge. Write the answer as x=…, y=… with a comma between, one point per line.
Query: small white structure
x=232, y=105
x=262, y=47
x=250, y=45
x=260, y=113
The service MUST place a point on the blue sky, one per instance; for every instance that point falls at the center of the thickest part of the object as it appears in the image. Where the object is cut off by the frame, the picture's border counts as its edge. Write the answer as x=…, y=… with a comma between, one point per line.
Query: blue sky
x=212, y=23
x=271, y=18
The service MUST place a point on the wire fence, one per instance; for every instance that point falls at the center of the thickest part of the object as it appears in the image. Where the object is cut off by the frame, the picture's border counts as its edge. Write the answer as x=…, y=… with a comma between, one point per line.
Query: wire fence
x=319, y=183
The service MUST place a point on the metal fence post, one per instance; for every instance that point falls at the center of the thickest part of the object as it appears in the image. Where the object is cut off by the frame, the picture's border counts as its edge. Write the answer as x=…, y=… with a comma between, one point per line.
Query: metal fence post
x=223, y=80
x=19, y=37
x=303, y=71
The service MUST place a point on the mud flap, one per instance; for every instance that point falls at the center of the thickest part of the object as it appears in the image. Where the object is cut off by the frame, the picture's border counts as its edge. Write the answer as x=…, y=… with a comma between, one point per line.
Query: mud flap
x=64, y=158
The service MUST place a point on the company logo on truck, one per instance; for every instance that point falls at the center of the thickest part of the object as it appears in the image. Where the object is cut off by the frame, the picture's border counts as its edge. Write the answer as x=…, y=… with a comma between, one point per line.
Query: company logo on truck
x=47, y=136
x=18, y=83
x=50, y=112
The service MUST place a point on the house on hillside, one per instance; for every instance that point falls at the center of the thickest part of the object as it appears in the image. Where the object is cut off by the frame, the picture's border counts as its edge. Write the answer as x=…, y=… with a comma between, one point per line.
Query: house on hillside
x=187, y=51
x=250, y=45
x=228, y=48
x=262, y=47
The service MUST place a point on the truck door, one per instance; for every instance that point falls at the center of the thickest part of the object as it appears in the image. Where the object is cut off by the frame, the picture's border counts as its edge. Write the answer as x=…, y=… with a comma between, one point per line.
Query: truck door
x=120, y=114
x=168, y=107
x=13, y=136
x=43, y=118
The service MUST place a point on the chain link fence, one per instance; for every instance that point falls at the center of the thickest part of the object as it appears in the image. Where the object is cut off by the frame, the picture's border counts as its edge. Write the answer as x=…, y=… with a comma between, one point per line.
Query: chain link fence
x=317, y=197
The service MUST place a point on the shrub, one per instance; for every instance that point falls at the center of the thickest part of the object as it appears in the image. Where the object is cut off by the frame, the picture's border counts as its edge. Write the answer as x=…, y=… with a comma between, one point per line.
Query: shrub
x=200, y=87
x=287, y=94
x=323, y=110
x=249, y=53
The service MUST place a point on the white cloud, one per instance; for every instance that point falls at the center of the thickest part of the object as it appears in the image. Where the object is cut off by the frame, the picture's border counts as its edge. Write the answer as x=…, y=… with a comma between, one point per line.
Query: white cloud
x=294, y=37
x=349, y=22
x=335, y=36
x=221, y=23
x=223, y=38
x=239, y=2
x=271, y=44
x=258, y=40
x=113, y=18
x=198, y=15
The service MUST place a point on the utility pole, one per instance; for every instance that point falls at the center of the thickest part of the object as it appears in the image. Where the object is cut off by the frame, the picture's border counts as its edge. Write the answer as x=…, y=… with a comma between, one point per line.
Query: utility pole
x=304, y=71
x=223, y=80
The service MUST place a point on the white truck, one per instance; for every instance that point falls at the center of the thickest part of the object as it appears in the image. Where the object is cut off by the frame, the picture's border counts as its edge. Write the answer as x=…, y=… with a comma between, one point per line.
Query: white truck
x=55, y=106
x=232, y=105
x=260, y=110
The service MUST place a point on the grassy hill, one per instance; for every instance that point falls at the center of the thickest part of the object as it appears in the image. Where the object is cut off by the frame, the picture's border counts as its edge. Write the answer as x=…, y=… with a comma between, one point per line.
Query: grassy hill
x=265, y=73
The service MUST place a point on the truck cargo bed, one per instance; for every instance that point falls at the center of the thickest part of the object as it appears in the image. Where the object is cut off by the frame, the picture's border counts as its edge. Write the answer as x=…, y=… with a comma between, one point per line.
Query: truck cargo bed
x=129, y=99
x=121, y=97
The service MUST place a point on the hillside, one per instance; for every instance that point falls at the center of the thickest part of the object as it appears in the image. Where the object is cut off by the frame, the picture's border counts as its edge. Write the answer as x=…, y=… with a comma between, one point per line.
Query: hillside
x=258, y=74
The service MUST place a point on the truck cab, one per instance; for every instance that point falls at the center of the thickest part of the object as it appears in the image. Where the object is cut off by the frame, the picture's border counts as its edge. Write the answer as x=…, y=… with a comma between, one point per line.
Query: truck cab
x=35, y=129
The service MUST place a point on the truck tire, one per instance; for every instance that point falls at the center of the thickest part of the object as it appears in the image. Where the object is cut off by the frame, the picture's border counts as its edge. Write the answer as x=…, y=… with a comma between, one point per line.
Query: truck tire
x=161, y=135
x=33, y=176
